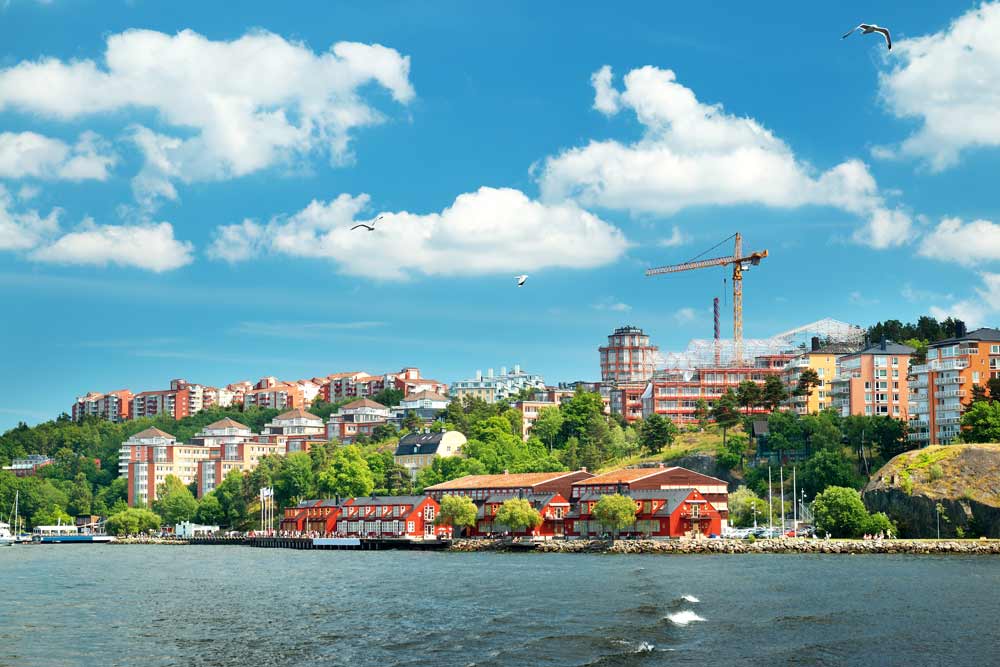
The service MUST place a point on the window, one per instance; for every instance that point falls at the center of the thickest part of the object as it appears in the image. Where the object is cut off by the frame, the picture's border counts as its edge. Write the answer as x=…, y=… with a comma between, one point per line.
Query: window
x=410, y=527
x=994, y=349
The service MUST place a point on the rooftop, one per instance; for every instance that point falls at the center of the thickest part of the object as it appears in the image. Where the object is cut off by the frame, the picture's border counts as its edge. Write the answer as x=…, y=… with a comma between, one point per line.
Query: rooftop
x=227, y=423
x=364, y=403
x=298, y=413
x=152, y=432
x=983, y=334
x=427, y=396
x=504, y=481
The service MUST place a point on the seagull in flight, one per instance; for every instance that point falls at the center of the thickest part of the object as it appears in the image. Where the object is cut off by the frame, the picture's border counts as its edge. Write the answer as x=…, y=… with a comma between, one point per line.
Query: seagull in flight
x=869, y=28
x=370, y=228
x=521, y=280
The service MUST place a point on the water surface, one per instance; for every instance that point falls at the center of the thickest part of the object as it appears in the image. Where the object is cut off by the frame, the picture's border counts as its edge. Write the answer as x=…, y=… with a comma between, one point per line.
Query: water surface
x=154, y=606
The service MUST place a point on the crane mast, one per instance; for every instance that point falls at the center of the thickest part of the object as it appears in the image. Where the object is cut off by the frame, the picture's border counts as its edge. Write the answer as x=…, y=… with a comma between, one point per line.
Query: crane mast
x=740, y=263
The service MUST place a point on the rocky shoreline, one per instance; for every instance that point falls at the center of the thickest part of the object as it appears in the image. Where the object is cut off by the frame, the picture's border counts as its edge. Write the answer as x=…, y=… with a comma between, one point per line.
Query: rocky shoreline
x=779, y=546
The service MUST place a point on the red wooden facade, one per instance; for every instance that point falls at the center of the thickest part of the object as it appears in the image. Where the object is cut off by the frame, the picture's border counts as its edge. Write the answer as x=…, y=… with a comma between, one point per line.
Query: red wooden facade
x=409, y=517
x=552, y=506
x=659, y=513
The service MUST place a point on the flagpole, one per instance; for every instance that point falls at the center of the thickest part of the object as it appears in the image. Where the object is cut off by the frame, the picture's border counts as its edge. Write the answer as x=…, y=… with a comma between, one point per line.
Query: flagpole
x=781, y=494
x=795, y=505
x=770, y=504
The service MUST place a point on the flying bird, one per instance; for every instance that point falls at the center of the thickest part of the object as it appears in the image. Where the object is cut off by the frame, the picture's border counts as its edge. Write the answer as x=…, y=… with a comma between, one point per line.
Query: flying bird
x=370, y=228
x=867, y=29
x=521, y=280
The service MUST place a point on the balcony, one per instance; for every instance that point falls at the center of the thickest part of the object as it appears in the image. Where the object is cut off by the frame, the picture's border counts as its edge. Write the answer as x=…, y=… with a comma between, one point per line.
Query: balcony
x=920, y=368
x=918, y=437
x=919, y=422
x=951, y=393
x=947, y=381
x=950, y=365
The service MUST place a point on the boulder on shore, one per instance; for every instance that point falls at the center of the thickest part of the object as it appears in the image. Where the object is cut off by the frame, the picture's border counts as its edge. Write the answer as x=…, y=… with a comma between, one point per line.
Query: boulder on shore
x=963, y=479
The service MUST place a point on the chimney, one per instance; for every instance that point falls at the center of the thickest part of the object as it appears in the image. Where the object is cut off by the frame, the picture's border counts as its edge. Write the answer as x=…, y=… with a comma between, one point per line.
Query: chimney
x=815, y=343
x=583, y=468
x=882, y=344
x=868, y=341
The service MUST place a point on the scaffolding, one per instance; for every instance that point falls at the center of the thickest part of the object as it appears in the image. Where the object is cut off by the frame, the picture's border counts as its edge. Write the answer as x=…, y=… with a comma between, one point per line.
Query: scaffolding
x=704, y=353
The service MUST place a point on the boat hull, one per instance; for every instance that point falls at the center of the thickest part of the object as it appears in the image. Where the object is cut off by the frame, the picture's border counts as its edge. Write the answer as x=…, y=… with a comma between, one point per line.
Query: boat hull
x=73, y=539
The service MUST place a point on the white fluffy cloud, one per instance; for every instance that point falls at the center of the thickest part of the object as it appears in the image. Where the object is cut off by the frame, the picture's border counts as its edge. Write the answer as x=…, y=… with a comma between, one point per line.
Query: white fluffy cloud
x=695, y=154
x=21, y=230
x=676, y=238
x=885, y=228
x=685, y=316
x=149, y=246
x=28, y=154
x=979, y=310
x=949, y=81
x=492, y=230
x=237, y=106
x=969, y=243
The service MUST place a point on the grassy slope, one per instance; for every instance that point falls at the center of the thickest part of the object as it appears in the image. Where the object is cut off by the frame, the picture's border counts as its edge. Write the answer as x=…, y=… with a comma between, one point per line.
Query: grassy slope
x=707, y=442
x=946, y=471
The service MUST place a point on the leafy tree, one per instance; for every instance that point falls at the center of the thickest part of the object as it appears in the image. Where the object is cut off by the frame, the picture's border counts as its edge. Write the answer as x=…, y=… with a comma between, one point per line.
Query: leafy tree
x=390, y=397
x=412, y=422
x=548, y=425
x=981, y=422
x=578, y=412
x=51, y=516
x=742, y=503
x=808, y=381
x=348, y=475
x=209, y=511
x=979, y=394
x=80, y=496
x=657, y=432
x=571, y=453
x=702, y=412
x=749, y=394
x=383, y=432
x=993, y=384
x=174, y=501
x=231, y=499
x=726, y=413
x=295, y=480
x=840, y=512
x=879, y=523
x=447, y=468
x=132, y=521
x=457, y=512
x=825, y=469
x=774, y=393
x=518, y=514
x=615, y=511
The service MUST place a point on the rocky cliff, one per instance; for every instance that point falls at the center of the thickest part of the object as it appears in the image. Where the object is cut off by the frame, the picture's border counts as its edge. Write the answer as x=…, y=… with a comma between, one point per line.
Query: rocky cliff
x=963, y=479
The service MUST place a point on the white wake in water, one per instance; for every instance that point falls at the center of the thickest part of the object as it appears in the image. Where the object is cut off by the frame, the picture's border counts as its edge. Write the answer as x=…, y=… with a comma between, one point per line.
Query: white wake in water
x=684, y=617
x=690, y=598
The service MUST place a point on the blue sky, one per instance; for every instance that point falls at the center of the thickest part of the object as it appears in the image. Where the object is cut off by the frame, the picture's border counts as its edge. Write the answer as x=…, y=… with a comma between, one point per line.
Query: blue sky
x=157, y=165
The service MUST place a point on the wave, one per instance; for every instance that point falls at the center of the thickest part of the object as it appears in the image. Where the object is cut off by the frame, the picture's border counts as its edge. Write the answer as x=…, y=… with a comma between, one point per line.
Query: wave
x=684, y=617
x=690, y=598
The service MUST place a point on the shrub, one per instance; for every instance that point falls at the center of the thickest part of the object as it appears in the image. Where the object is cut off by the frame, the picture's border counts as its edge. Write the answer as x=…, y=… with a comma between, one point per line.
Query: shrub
x=935, y=472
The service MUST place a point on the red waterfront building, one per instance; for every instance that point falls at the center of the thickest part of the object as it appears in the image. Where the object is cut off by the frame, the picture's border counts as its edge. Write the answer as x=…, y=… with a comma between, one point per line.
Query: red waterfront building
x=408, y=517
x=552, y=506
x=626, y=481
x=481, y=487
x=659, y=513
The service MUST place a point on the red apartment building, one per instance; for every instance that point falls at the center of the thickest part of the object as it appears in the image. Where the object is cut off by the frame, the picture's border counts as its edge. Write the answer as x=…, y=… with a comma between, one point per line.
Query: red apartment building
x=361, y=385
x=406, y=517
x=115, y=406
x=675, y=393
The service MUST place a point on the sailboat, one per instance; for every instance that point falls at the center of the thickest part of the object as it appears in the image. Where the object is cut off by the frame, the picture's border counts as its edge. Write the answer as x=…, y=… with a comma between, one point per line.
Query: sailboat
x=6, y=538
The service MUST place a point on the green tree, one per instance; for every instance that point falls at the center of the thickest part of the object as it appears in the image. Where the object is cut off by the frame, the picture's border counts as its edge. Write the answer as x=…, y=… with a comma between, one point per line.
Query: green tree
x=702, y=412
x=979, y=394
x=518, y=514
x=993, y=385
x=389, y=397
x=657, y=432
x=51, y=516
x=209, y=511
x=348, y=475
x=548, y=425
x=616, y=512
x=578, y=412
x=383, y=432
x=981, y=423
x=808, y=381
x=840, y=512
x=826, y=468
x=774, y=393
x=749, y=394
x=742, y=503
x=412, y=422
x=726, y=413
x=458, y=512
x=132, y=521
x=295, y=480
x=229, y=493
x=174, y=501
x=447, y=468
x=80, y=496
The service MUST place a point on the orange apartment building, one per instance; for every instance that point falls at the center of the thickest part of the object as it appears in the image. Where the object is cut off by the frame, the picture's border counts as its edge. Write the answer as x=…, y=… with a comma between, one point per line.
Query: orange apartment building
x=941, y=387
x=675, y=393
x=115, y=406
x=873, y=381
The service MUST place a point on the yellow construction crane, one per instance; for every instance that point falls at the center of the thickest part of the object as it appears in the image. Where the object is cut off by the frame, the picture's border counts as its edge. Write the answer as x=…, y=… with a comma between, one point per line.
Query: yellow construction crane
x=740, y=264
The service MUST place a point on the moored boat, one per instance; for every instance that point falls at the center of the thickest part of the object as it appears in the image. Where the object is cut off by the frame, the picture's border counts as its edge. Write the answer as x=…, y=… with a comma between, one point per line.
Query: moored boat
x=67, y=534
x=6, y=539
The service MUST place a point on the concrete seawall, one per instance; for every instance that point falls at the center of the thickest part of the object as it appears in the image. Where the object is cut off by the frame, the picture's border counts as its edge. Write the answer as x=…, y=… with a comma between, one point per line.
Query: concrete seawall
x=788, y=546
